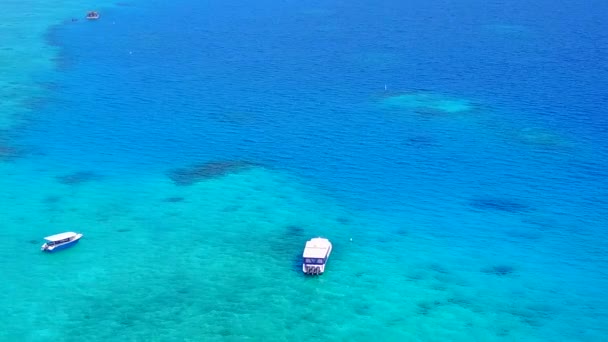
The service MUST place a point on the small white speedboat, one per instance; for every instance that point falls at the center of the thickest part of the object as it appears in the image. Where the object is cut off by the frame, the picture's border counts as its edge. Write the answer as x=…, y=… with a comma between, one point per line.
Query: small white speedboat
x=60, y=241
x=316, y=253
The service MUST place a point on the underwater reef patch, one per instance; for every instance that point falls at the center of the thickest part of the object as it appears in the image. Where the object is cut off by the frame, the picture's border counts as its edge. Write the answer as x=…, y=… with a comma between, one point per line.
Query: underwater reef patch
x=438, y=268
x=50, y=85
x=343, y=220
x=499, y=270
x=62, y=62
x=209, y=170
x=416, y=276
x=362, y=308
x=420, y=141
x=401, y=232
x=499, y=204
x=427, y=103
x=51, y=199
x=175, y=199
x=293, y=230
x=426, y=307
x=502, y=332
x=459, y=301
x=539, y=137
x=8, y=152
x=52, y=35
x=534, y=315
x=78, y=177
x=35, y=103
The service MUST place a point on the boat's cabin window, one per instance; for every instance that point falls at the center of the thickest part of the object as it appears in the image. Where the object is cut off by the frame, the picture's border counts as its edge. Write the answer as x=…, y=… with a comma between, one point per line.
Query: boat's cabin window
x=314, y=261
x=51, y=243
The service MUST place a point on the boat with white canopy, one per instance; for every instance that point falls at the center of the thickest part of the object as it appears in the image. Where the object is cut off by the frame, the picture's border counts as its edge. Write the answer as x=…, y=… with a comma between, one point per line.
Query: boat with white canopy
x=316, y=253
x=60, y=241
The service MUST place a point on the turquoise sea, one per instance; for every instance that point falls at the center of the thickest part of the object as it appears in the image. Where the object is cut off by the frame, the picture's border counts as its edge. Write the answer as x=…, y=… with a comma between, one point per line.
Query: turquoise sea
x=454, y=152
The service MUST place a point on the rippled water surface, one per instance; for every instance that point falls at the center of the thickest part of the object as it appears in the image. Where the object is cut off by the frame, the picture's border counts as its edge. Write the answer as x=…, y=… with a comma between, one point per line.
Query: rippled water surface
x=454, y=153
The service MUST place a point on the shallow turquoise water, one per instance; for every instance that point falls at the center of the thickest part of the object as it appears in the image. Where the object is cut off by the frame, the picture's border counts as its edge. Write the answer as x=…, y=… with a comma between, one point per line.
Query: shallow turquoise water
x=457, y=166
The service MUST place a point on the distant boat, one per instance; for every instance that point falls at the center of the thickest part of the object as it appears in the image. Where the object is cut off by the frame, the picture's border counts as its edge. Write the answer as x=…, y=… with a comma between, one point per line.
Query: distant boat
x=316, y=253
x=93, y=15
x=60, y=241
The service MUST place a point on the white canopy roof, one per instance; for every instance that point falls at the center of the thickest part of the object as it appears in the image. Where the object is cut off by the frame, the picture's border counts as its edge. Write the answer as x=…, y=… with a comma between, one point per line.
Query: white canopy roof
x=60, y=236
x=316, y=248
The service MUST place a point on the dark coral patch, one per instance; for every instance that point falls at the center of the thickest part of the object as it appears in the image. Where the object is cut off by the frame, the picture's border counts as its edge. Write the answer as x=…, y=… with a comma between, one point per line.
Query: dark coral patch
x=499, y=270
x=429, y=112
x=402, y=232
x=499, y=204
x=215, y=169
x=361, y=308
x=50, y=85
x=438, y=268
x=344, y=220
x=62, y=62
x=416, y=276
x=78, y=177
x=9, y=152
x=173, y=199
x=420, y=141
x=426, y=307
x=534, y=316
x=462, y=302
x=52, y=36
x=51, y=199
x=502, y=332
x=35, y=103
x=293, y=230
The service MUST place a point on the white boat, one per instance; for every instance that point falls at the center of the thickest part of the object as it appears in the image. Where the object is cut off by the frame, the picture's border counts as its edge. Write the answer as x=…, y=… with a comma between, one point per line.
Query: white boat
x=93, y=15
x=316, y=253
x=60, y=241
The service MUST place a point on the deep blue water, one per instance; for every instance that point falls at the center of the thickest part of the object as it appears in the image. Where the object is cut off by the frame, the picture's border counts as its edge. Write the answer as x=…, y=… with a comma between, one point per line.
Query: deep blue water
x=301, y=88
x=295, y=86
